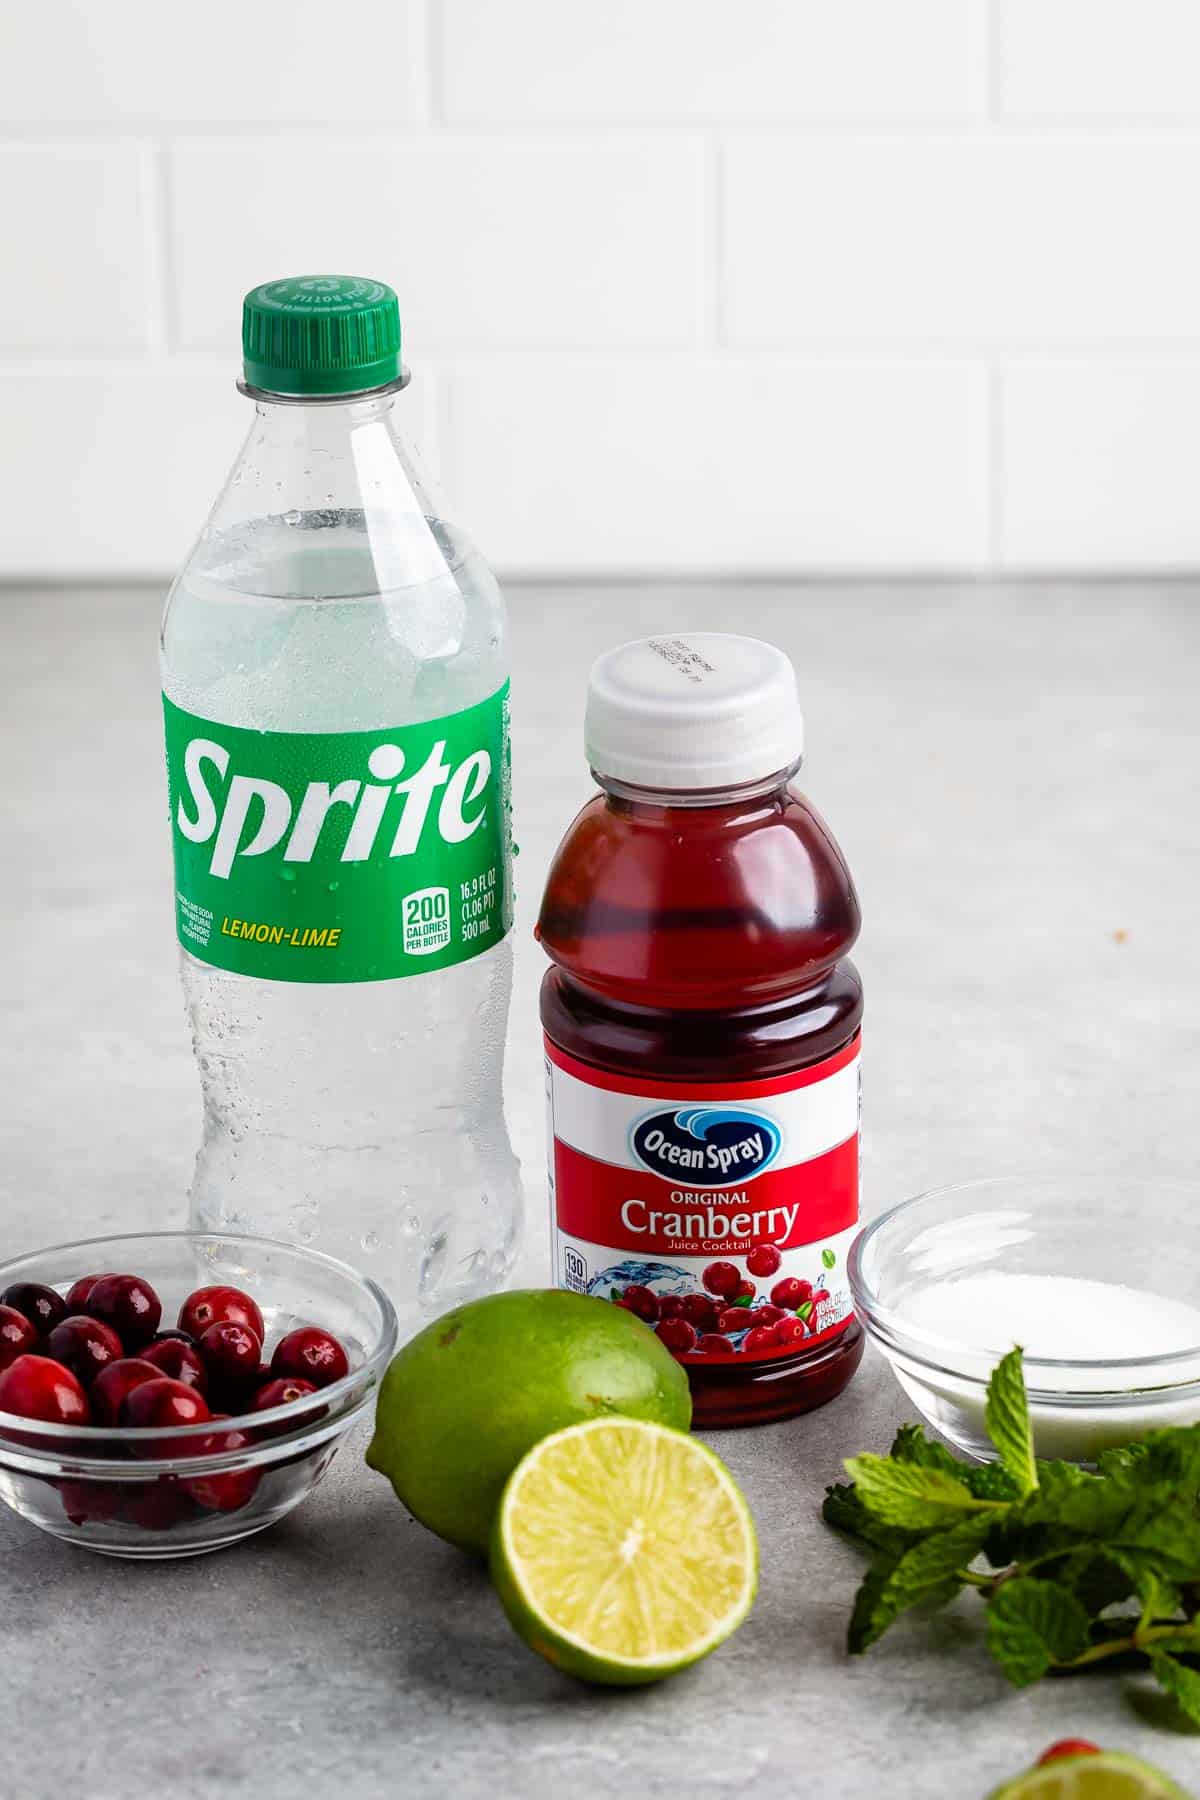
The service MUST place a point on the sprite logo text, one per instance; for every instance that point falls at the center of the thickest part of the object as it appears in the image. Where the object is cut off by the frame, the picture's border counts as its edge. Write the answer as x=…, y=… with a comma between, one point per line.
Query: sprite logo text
x=386, y=851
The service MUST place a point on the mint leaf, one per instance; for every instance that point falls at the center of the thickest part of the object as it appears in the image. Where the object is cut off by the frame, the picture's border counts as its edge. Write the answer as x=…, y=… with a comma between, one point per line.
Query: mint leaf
x=910, y=1445
x=1159, y=1597
x=1170, y=1454
x=743, y=1300
x=902, y=1493
x=1182, y=1683
x=1032, y=1625
x=828, y=1259
x=929, y=1572
x=844, y=1510
x=1007, y=1420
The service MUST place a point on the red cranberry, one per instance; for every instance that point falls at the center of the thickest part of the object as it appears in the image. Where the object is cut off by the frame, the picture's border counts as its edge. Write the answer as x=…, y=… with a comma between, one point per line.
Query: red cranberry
x=642, y=1301
x=91, y=1502
x=1068, y=1747
x=312, y=1354
x=732, y=1318
x=231, y=1355
x=762, y=1337
x=671, y=1307
x=157, y=1505
x=77, y=1294
x=35, y=1387
x=700, y=1311
x=40, y=1305
x=231, y=1489
x=178, y=1359
x=766, y=1315
x=114, y=1382
x=790, y=1330
x=677, y=1334
x=217, y=1306
x=791, y=1293
x=745, y=1290
x=172, y=1335
x=85, y=1346
x=17, y=1335
x=713, y=1344
x=129, y=1304
x=161, y=1406
x=764, y=1259
x=281, y=1393
x=722, y=1278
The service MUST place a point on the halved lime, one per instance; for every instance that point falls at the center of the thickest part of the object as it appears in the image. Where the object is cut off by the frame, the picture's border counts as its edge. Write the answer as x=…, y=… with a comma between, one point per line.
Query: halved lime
x=1107, y=1775
x=623, y=1551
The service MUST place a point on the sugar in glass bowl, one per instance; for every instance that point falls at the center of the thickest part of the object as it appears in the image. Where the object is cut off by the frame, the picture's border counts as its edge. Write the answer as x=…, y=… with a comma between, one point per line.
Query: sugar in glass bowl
x=947, y=1282
x=91, y=1486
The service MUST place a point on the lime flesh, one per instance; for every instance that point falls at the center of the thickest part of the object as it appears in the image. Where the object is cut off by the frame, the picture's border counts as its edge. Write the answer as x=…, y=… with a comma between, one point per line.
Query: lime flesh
x=1108, y=1775
x=623, y=1551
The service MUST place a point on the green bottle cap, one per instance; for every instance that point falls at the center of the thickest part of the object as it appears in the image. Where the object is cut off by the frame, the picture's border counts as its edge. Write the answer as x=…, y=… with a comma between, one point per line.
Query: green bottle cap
x=321, y=334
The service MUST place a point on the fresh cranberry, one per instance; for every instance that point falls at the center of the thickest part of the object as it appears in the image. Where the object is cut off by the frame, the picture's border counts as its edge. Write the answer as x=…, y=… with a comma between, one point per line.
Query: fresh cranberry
x=764, y=1259
x=733, y=1318
x=671, y=1307
x=157, y=1505
x=790, y=1330
x=791, y=1293
x=677, y=1334
x=84, y=1345
x=17, y=1335
x=700, y=1311
x=35, y=1387
x=77, y=1293
x=218, y=1306
x=179, y=1359
x=711, y=1343
x=40, y=1305
x=129, y=1304
x=114, y=1382
x=1068, y=1747
x=762, y=1337
x=91, y=1502
x=286, y=1393
x=161, y=1406
x=312, y=1354
x=642, y=1301
x=281, y=1393
x=745, y=1290
x=722, y=1278
x=231, y=1355
x=231, y=1489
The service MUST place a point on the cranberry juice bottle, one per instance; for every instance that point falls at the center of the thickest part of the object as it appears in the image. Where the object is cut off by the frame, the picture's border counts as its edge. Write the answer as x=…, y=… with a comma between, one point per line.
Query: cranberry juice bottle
x=702, y=1030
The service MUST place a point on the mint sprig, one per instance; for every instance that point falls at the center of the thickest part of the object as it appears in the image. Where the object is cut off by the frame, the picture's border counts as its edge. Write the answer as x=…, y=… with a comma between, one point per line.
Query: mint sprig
x=1075, y=1568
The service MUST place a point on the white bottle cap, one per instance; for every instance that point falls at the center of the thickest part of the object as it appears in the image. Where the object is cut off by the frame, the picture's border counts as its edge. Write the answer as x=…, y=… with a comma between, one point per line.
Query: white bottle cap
x=703, y=710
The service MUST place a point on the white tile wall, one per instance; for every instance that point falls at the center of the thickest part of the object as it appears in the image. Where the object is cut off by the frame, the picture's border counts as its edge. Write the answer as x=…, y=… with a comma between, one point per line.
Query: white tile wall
x=789, y=286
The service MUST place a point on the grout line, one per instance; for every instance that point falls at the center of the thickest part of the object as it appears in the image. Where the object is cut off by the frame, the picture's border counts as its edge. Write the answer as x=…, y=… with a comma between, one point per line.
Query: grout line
x=1092, y=125
x=159, y=273
x=713, y=325
x=428, y=99
x=997, y=470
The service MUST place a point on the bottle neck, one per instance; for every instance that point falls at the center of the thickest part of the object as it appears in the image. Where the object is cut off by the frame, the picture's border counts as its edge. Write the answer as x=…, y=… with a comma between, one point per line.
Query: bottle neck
x=632, y=797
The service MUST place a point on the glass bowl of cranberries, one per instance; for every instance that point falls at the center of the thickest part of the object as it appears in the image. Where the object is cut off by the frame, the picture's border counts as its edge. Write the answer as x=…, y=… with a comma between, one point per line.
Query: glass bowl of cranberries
x=169, y=1393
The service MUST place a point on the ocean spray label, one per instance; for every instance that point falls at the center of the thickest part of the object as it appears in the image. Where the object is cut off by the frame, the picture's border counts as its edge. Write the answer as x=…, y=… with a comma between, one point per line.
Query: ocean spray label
x=719, y=1213
x=341, y=856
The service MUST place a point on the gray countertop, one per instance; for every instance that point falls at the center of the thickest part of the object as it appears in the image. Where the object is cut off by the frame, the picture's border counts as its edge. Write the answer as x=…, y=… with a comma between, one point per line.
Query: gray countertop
x=1012, y=773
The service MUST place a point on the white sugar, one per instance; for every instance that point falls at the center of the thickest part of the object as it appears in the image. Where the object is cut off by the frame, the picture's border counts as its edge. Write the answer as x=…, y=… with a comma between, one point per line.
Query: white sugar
x=1062, y=1317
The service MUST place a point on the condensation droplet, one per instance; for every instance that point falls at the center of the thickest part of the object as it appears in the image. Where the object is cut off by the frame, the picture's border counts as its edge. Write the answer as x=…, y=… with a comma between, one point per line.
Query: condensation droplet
x=369, y=1241
x=292, y=517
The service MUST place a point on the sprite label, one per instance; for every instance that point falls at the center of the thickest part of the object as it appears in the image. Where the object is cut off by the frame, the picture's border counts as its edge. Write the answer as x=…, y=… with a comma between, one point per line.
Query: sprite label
x=341, y=856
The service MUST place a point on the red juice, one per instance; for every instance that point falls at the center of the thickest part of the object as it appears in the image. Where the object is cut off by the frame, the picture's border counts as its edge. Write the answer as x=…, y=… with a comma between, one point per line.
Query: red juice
x=702, y=1030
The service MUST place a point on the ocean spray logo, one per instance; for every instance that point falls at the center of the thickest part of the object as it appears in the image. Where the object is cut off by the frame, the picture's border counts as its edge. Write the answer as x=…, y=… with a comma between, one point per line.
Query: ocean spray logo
x=706, y=1146
x=251, y=816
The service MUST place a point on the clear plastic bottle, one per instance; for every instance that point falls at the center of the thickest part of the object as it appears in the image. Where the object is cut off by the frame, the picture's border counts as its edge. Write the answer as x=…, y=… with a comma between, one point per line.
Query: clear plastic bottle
x=335, y=679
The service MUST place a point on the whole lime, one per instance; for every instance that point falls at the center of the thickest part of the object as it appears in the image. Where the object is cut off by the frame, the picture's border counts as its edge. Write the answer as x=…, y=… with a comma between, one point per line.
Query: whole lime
x=463, y=1401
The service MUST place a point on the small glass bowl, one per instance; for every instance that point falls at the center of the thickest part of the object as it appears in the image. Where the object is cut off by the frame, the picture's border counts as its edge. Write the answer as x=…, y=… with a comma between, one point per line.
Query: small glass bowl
x=1138, y=1232
x=87, y=1485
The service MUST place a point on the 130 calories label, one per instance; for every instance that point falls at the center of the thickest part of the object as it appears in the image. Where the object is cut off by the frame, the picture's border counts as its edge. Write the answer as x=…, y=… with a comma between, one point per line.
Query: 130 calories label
x=720, y=1214
x=341, y=856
